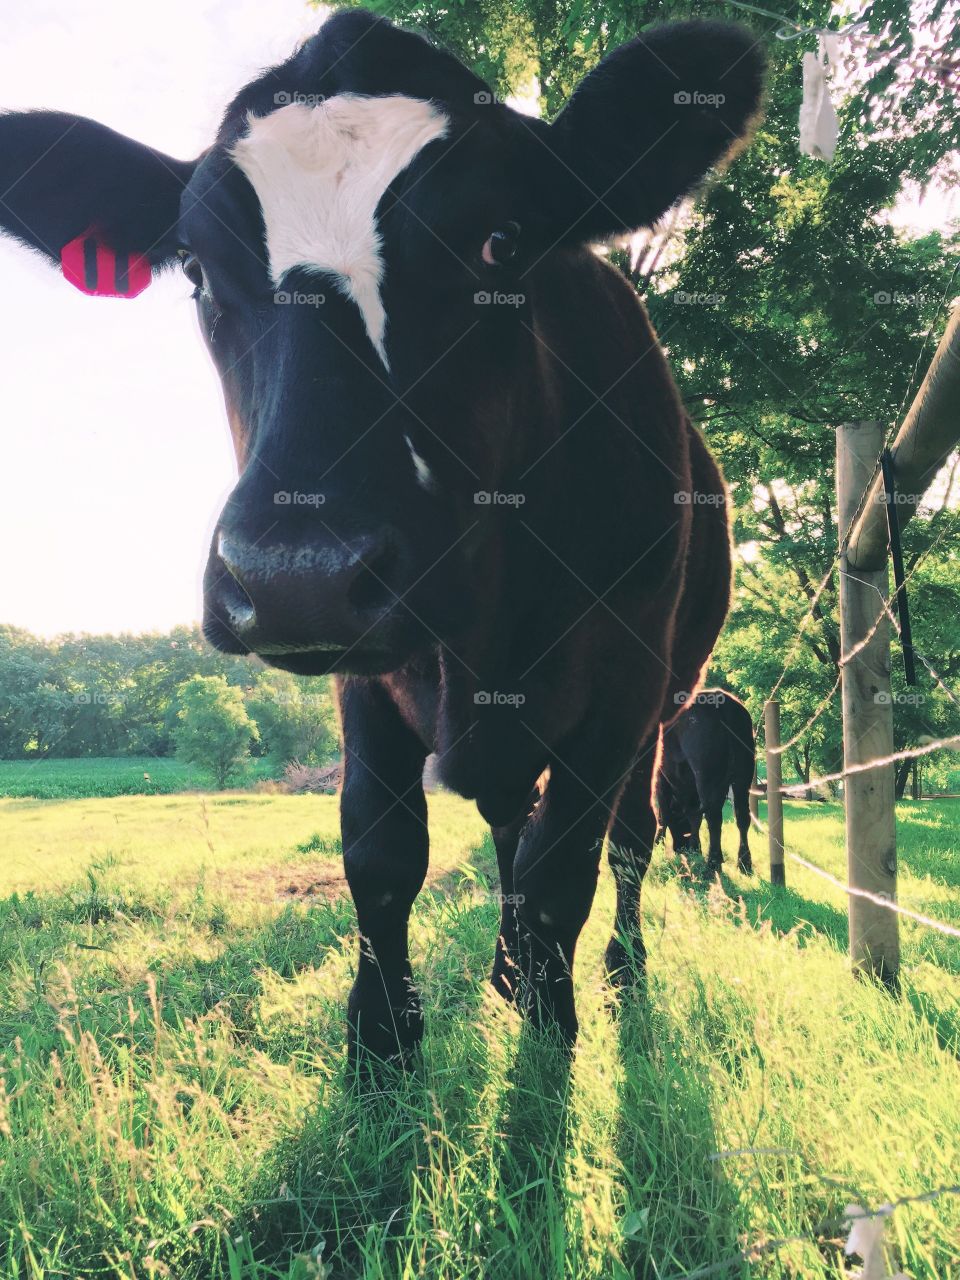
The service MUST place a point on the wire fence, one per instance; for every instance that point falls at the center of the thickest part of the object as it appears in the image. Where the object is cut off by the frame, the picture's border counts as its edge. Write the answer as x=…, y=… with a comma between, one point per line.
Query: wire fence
x=880, y=899
x=926, y=747
x=860, y=1227
x=913, y=753
x=859, y=1230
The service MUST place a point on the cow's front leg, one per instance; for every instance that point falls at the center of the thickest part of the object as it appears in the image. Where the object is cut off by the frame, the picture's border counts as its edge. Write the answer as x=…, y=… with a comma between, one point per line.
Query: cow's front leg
x=506, y=840
x=555, y=879
x=629, y=849
x=383, y=817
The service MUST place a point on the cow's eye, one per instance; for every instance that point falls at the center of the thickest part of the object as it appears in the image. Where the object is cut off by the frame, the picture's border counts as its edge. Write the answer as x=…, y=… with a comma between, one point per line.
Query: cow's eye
x=502, y=245
x=191, y=268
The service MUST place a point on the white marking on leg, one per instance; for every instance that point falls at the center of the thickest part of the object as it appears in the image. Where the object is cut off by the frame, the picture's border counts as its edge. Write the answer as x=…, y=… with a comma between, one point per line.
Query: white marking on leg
x=319, y=173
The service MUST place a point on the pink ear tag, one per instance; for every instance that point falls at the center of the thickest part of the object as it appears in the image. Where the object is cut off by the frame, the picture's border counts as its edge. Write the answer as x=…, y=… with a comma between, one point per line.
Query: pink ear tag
x=96, y=269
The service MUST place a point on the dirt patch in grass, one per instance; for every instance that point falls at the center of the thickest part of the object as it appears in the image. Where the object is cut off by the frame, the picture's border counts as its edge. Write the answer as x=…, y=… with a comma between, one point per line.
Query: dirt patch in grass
x=293, y=882
x=284, y=882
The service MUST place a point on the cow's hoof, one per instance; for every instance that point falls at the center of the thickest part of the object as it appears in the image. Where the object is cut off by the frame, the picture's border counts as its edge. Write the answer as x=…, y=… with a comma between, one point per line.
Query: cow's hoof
x=713, y=868
x=378, y=1067
x=555, y=1026
x=745, y=865
x=382, y=1041
x=623, y=968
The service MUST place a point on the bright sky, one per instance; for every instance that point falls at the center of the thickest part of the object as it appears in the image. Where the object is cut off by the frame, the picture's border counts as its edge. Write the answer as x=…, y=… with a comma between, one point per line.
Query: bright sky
x=116, y=454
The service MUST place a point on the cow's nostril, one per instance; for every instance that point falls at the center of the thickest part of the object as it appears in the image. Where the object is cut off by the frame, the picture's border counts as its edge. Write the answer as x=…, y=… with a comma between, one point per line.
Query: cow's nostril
x=370, y=590
x=241, y=615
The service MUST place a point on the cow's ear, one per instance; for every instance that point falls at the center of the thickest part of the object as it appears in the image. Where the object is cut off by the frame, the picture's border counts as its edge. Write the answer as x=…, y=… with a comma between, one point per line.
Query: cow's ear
x=101, y=206
x=647, y=124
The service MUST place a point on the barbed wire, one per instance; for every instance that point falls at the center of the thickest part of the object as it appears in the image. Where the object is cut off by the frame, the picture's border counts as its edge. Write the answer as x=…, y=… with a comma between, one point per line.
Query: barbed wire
x=847, y=658
x=880, y=899
x=821, y=708
x=951, y=743
x=854, y=1213
x=814, y=601
x=836, y=1231
x=864, y=497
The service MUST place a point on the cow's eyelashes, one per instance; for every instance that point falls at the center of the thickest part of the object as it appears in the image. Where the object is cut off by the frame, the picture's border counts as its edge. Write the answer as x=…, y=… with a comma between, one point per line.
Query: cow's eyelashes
x=192, y=268
x=501, y=245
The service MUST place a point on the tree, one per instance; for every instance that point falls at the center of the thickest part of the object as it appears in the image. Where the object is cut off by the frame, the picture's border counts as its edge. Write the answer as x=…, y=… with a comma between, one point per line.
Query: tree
x=295, y=717
x=214, y=730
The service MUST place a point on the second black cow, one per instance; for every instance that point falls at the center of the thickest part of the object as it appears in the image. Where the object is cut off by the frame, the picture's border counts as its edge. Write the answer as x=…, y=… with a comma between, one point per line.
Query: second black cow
x=707, y=751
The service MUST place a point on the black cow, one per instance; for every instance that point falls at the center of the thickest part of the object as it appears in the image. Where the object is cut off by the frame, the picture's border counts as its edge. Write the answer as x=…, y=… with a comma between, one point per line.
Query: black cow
x=465, y=474
x=707, y=751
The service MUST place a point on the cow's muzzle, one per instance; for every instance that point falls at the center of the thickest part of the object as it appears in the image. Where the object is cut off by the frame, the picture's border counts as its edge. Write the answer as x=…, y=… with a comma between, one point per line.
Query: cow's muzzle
x=311, y=606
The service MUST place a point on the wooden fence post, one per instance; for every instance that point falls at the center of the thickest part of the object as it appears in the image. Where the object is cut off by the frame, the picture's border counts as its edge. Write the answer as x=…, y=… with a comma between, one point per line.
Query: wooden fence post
x=771, y=734
x=867, y=723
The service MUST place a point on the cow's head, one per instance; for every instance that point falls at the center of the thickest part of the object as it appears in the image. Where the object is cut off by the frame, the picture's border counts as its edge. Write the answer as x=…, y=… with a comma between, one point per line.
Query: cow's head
x=359, y=203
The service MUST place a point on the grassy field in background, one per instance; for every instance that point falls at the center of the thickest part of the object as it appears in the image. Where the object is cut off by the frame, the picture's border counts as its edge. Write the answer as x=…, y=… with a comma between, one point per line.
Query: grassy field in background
x=173, y=974
x=119, y=776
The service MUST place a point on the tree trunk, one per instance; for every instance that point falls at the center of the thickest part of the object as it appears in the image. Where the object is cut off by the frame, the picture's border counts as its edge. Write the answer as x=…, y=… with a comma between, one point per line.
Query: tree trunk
x=903, y=772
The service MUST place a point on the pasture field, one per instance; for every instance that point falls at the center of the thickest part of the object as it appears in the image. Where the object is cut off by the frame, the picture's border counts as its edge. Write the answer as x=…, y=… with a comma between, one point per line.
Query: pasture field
x=118, y=776
x=173, y=974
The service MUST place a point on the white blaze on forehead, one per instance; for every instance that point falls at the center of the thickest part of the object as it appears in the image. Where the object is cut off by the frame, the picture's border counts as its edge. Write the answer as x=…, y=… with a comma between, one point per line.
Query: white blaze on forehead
x=319, y=173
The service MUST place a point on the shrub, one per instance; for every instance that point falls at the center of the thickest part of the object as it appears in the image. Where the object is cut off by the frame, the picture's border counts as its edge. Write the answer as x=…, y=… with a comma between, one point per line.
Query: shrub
x=214, y=731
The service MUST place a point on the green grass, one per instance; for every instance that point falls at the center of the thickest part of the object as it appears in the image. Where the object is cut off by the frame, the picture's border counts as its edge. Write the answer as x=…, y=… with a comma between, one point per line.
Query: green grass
x=105, y=776
x=175, y=1101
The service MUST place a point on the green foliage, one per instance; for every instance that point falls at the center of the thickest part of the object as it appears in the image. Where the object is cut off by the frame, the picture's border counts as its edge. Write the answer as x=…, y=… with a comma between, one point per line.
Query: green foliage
x=214, y=729
x=296, y=717
x=109, y=696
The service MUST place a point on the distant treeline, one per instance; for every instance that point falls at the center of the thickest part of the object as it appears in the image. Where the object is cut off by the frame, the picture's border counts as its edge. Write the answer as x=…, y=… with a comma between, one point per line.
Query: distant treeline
x=116, y=695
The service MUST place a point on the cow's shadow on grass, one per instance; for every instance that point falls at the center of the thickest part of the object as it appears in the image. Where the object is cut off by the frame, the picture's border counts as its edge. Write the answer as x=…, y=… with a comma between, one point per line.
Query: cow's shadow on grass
x=765, y=906
x=675, y=1189
x=367, y=1169
x=783, y=910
